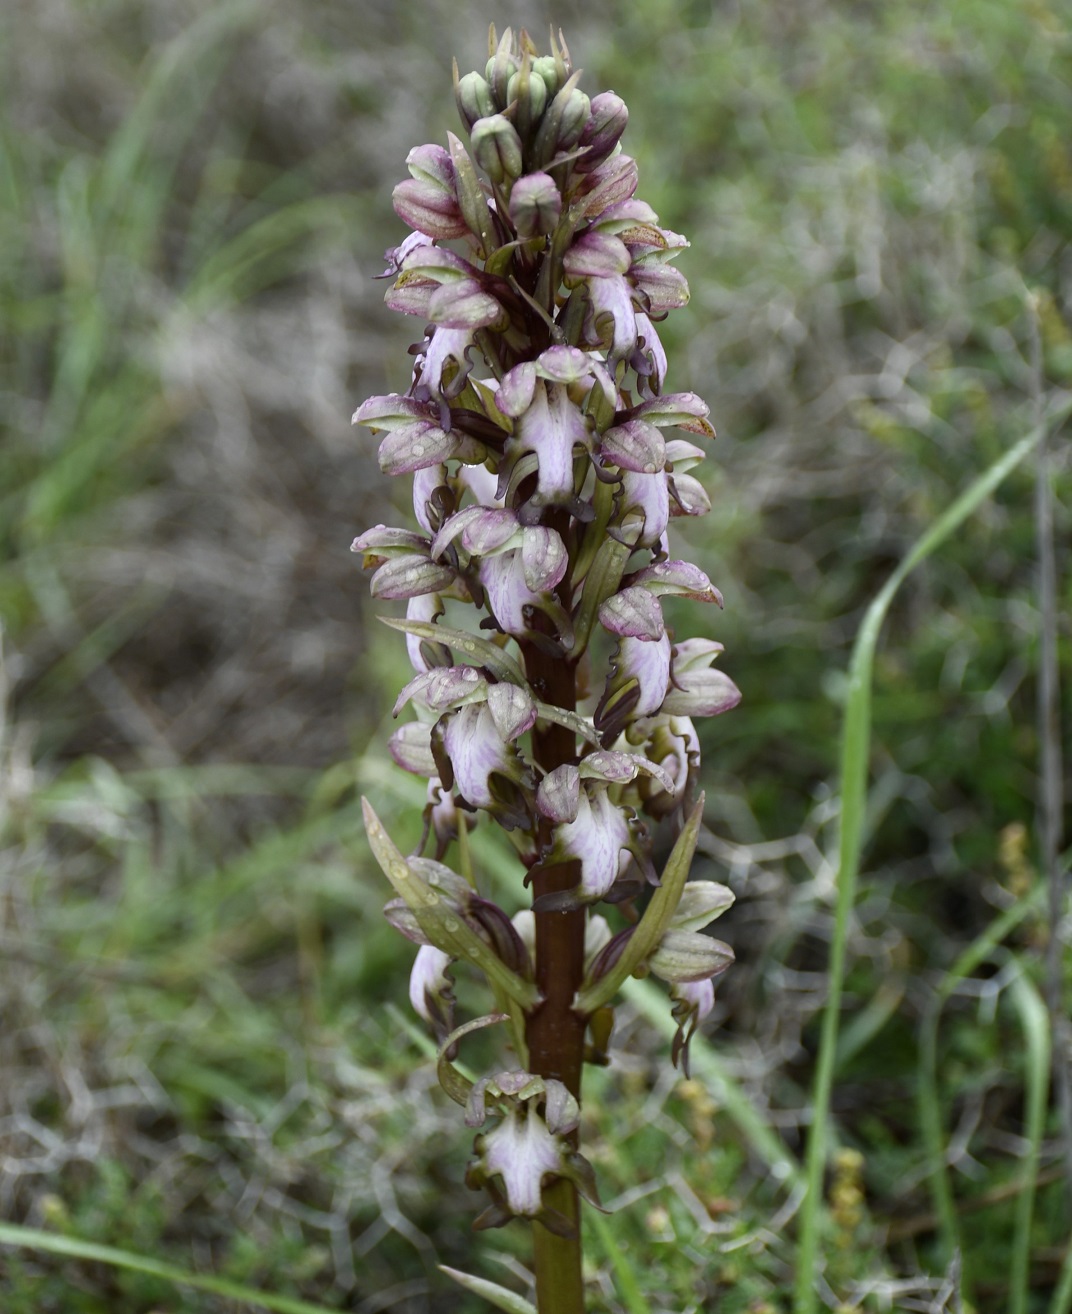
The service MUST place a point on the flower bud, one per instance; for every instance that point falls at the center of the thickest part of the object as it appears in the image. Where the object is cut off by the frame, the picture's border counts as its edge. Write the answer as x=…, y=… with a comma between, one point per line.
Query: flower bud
x=536, y=97
x=497, y=148
x=603, y=130
x=698, y=689
x=409, y=577
x=490, y=920
x=690, y=956
x=700, y=903
x=428, y=201
x=680, y=578
x=546, y=70
x=596, y=255
x=633, y=613
x=559, y=794
x=575, y=115
x=500, y=68
x=474, y=98
x=634, y=446
x=535, y=205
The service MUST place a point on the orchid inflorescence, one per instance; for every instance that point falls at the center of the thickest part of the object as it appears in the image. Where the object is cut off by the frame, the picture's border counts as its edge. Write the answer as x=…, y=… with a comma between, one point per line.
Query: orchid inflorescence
x=543, y=487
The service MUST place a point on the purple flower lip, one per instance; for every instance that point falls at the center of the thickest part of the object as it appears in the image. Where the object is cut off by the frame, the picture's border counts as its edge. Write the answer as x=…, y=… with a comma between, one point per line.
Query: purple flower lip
x=597, y=837
x=637, y=686
x=431, y=989
x=515, y=1158
x=611, y=321
x=551, y=426
x=513, y=602
x=476, y=751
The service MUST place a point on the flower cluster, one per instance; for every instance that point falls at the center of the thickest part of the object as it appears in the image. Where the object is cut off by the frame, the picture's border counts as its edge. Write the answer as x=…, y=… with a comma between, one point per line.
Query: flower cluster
x=539, y=441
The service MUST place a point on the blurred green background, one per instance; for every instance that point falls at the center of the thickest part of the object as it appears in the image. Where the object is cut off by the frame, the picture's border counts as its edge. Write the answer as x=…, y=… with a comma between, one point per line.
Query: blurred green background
x=206, y=1053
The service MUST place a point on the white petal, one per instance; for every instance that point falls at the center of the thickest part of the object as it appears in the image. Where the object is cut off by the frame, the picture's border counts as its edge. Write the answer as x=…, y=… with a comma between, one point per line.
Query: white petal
x=522, y=1151
x=475, y=749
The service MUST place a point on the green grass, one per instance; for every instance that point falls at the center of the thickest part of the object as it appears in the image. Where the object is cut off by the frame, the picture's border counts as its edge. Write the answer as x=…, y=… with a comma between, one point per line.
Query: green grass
x=208, y=1070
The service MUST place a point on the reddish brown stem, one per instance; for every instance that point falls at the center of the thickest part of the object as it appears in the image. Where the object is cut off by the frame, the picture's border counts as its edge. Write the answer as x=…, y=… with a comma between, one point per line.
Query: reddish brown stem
x=554, y=1032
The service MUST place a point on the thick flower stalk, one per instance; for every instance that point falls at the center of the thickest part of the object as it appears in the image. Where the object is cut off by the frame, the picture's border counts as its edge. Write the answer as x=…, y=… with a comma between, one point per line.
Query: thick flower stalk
x=546, y=462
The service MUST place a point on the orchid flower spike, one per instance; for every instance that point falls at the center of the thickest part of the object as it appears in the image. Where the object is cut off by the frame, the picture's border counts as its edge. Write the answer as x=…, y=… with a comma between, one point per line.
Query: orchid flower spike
x=546, y=467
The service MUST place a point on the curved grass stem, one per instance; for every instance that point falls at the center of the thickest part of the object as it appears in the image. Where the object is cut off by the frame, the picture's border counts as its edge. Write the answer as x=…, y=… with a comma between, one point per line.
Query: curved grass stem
x=855, y=749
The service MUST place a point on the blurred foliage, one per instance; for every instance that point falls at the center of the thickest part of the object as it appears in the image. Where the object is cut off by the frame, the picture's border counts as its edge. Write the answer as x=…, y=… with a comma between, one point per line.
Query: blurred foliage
x=200, y=1059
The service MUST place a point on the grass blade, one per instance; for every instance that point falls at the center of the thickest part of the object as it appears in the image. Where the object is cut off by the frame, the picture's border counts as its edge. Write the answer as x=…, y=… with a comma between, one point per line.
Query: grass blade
x=501, y=1297
x=1036, y=1023
x=70, y=1247
x=1062, y=1297
x=705, y=1063
x=930, y=1115
x=628, y=1287
x=855, y=750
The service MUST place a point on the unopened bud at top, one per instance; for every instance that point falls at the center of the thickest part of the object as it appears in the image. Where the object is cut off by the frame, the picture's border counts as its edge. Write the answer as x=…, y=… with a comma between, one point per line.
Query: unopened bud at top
x=474, y=97
x=546, y=70
x=501, y=67
x=497, y=148
x=535, y=90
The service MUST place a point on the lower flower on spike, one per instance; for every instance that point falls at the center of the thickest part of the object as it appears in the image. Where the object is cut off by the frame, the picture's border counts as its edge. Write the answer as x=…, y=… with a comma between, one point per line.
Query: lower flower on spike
x=527, y=1149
